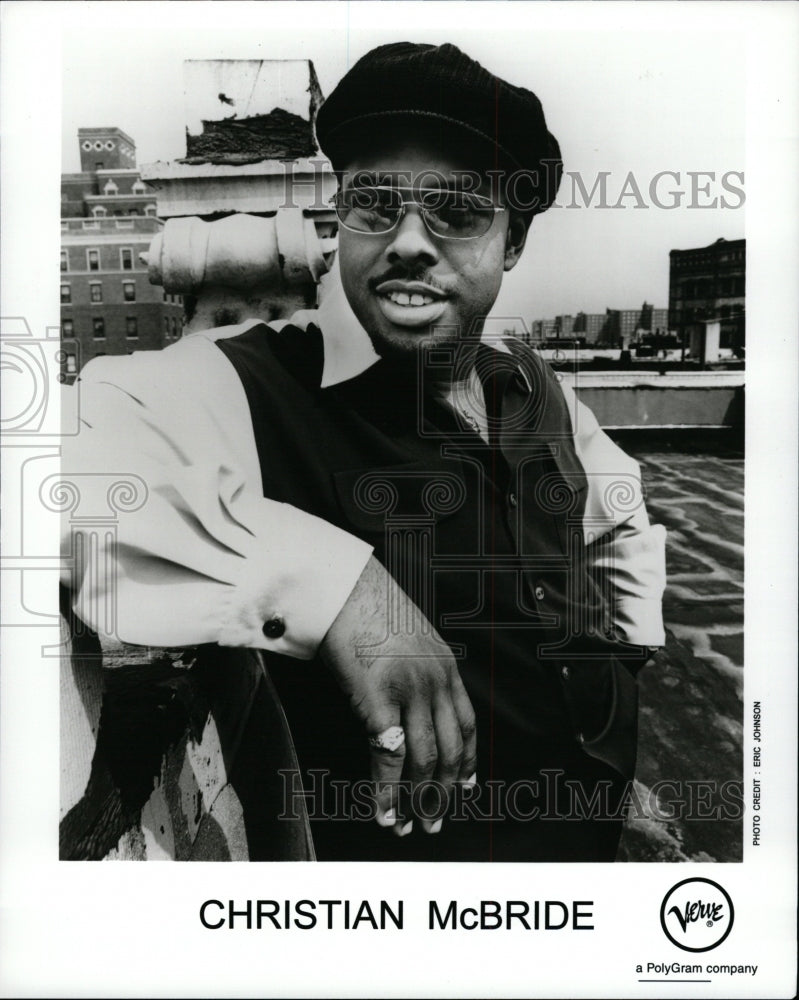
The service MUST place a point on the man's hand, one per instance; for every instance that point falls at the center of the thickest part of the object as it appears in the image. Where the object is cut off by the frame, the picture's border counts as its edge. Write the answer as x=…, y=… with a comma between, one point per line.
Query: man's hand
x=398, y=671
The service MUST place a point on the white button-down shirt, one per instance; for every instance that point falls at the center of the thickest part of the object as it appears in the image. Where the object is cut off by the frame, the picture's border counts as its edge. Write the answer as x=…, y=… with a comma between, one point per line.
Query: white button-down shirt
x=207, y=558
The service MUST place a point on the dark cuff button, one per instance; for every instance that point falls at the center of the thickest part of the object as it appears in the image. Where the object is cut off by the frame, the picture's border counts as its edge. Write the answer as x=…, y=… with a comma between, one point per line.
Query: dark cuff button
x=274, y=628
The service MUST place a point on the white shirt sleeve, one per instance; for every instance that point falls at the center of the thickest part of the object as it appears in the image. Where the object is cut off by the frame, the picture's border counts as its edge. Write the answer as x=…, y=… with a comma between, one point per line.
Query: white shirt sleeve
x=626, y=550
x=196, y=554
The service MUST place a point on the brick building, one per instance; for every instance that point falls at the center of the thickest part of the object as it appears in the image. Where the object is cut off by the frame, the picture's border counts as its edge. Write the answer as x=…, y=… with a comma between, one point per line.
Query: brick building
x=108, y=305
x=709, y=283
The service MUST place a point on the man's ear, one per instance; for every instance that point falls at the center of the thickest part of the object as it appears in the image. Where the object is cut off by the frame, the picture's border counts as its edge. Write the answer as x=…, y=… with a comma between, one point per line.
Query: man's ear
x=515, y=239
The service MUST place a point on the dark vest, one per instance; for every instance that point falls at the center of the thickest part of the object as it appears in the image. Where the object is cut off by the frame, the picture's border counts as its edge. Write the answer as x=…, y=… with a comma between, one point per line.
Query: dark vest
x=486, y=538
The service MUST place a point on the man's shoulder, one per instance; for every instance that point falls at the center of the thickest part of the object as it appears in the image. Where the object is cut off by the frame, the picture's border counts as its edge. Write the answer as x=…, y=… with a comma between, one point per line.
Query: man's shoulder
x=294, y=345
x=192, y=349
x=200, y=355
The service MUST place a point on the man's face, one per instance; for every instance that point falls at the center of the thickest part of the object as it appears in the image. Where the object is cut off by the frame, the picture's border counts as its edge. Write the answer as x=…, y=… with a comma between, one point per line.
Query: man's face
x=409, y=285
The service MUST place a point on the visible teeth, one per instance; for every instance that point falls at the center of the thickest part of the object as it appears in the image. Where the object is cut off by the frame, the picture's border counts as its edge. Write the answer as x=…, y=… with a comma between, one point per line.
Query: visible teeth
x=417, y=299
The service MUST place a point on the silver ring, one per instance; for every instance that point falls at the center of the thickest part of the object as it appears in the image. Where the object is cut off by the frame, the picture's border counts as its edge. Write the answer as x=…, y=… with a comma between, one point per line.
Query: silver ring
x=390, y=739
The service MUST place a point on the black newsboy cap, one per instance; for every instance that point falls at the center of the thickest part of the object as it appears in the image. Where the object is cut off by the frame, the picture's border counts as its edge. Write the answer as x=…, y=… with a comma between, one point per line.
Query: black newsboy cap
x=405, y=79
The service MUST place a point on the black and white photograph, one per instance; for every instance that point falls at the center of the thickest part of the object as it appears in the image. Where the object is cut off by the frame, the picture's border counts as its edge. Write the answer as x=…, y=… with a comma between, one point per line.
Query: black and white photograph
x=404, y=473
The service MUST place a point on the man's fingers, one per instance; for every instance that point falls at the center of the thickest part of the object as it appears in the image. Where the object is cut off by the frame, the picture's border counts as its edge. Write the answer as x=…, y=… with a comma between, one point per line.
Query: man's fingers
x=388, y=761
x=421, y=751
x=466, y=720
x=450, y=753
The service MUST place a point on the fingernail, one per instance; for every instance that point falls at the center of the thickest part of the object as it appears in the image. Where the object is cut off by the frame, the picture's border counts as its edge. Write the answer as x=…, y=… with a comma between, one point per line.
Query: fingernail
x=388, y=818
x=432, y=827
x=402, y=830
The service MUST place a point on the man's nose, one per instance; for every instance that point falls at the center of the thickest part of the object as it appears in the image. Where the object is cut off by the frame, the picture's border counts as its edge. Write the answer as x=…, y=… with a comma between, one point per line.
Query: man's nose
x=411, y=242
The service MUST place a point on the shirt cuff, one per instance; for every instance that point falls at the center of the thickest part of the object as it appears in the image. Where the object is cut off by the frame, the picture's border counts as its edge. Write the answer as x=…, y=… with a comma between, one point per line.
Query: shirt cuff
x=641, y=621
x=293, y=583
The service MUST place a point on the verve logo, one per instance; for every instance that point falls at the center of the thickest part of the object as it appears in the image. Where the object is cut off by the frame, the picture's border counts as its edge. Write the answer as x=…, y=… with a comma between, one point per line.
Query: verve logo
x=696, y=914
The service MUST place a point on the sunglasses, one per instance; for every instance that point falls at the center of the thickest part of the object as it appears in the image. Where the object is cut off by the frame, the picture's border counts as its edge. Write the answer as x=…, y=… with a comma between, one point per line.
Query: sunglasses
x=448, y=214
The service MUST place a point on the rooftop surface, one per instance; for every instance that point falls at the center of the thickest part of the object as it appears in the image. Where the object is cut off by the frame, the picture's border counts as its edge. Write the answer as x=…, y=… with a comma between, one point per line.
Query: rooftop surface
x=691, y=708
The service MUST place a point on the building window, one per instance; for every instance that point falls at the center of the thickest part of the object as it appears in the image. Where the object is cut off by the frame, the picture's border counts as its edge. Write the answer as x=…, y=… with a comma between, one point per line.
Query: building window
x=126, y=259
x=132, y=328
x=149, y=210
x=110, y=188
x=67, y=328
x=174, y=328
x=93, y=259
x=99, y=164
x=72, y=367
x=98, y=212
x=128, y=291
x=138, y=188
x=66, y=293
x=91, y=223
x=95, y=292
x=64, y=260
x=166, y=327
x=99, y=328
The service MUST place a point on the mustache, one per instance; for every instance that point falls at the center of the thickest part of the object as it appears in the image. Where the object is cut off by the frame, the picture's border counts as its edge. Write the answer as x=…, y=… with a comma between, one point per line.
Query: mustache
x=400, y=272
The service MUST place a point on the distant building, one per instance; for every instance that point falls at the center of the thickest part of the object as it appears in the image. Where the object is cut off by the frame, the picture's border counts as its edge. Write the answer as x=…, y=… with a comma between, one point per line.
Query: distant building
x=709, y=283
x=564, y=326
x=623, y=327
x=589, y=325
x=612, y=328
x=108, y=305
x=654, y=321
x=544, y=329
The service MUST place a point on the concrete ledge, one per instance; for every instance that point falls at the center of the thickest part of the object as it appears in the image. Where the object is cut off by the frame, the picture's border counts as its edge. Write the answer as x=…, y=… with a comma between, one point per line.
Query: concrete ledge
x=668, y=380
x=673, y=400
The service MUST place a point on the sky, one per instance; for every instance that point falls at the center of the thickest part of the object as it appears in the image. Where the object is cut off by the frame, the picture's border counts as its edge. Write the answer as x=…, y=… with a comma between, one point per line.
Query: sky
x=625, y=91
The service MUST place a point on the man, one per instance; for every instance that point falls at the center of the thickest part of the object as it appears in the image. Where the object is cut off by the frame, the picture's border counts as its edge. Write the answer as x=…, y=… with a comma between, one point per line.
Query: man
x=448, y=565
